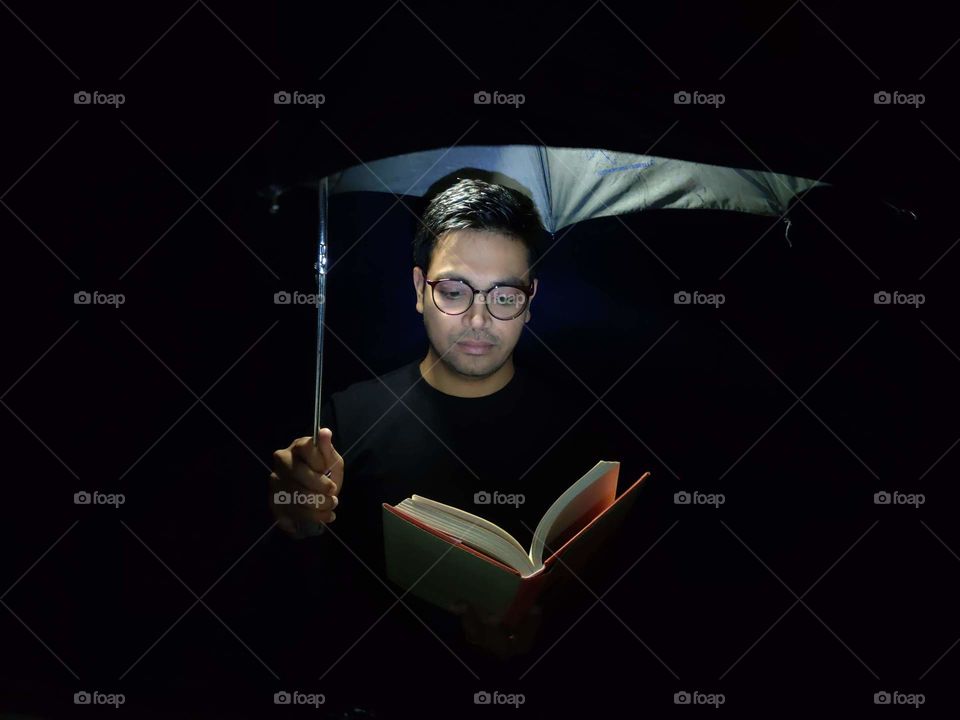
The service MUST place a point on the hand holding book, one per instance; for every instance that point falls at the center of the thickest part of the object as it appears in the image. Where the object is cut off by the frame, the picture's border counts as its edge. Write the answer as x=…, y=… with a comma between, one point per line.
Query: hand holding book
x=489, y=633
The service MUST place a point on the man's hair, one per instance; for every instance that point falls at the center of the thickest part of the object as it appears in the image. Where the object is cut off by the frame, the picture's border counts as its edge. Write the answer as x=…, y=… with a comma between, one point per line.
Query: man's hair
x=472, y=204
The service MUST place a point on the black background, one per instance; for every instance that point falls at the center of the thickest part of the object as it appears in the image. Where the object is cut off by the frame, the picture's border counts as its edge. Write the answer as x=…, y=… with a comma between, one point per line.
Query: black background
x=100, y=398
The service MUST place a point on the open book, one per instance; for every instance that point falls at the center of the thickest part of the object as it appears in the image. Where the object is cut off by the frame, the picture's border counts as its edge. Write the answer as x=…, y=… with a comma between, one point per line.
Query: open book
x=444, y=554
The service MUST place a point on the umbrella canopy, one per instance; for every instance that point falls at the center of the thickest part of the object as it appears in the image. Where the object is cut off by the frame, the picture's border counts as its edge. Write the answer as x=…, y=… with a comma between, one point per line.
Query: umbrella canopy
x=570, y=185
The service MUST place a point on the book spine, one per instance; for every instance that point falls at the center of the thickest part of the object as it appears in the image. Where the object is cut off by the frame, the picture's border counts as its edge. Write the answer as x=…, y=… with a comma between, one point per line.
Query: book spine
x=529, y=592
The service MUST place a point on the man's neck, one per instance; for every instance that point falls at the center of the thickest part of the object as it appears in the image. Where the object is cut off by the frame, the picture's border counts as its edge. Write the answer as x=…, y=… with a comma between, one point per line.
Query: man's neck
x=439, y=376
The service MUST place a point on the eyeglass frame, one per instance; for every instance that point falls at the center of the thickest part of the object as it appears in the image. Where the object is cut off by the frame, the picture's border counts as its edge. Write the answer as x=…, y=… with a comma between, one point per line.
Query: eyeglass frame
x=528, y=291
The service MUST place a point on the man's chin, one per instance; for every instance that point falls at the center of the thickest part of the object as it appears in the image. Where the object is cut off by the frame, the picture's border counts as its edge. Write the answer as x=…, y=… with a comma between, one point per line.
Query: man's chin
x=477, y=368
x=472, y=365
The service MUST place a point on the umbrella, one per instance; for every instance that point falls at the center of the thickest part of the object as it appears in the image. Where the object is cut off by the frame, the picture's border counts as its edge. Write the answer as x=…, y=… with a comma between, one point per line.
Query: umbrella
x=570, y=185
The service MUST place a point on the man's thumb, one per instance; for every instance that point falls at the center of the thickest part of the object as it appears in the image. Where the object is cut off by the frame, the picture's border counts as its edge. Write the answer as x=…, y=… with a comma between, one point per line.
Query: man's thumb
x=325, y=445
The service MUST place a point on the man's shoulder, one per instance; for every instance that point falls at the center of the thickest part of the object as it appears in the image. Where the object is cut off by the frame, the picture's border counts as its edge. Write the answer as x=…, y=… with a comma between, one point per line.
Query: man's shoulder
x=388, y=385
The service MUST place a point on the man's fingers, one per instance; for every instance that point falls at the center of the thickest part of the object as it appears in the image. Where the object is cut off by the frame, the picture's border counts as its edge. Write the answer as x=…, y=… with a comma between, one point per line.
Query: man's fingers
x=321, y=458
x=478, y=629
x=331, y=460
x=304, y=450
x=488, y=632
x=298, y=471
x=312, y=480
x=310, y=512
x=288, y=525
x=292, y=499
x=319, y=516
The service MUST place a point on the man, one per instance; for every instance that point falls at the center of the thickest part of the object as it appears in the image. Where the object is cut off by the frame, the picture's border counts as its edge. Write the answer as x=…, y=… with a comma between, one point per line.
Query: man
x=461, y=421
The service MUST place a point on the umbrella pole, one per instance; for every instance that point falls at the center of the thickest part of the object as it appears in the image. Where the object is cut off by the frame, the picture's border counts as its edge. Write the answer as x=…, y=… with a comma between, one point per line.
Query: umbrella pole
x=321, y=268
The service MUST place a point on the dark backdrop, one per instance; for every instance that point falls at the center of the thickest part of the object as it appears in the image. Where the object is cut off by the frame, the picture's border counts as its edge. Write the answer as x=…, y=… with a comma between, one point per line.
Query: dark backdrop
x=177, y=398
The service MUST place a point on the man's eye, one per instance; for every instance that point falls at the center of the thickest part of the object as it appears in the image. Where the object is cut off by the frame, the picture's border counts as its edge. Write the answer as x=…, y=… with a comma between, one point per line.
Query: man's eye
x=452, y=295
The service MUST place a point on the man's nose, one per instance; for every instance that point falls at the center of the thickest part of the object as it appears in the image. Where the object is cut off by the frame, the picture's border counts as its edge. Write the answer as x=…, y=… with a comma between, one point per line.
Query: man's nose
x=478, y=311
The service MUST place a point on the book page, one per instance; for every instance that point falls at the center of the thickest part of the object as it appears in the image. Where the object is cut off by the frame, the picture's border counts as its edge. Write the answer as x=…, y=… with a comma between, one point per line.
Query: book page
x=582, y=540
x=469, y=532
x=591, y=494
x=470, y=517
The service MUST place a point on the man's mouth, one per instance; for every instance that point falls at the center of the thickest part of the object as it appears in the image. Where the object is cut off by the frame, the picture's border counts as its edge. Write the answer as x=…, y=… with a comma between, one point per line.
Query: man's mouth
x=474, y=348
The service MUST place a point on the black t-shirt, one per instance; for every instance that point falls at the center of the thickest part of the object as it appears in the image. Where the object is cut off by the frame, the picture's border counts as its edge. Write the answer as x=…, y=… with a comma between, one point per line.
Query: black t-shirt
x=515, y=441
x=399, y=435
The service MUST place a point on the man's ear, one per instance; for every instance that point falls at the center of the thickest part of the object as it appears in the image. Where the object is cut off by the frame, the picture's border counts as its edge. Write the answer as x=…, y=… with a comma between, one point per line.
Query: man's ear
x=418, y=286
x=526, y=315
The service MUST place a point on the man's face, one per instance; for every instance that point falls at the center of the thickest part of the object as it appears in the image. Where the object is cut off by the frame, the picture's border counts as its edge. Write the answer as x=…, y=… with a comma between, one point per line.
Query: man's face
x=483, y=259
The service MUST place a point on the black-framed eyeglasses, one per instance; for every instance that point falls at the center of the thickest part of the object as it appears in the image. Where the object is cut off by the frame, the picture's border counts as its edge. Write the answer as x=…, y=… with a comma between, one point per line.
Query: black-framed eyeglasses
x=455, y=297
